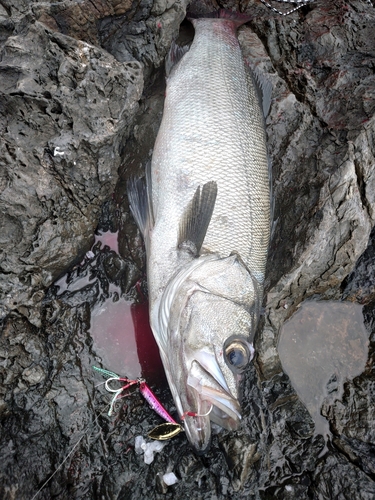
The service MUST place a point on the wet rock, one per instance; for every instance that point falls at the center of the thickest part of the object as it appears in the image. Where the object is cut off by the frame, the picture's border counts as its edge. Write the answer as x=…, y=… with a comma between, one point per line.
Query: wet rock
x=33, y=375
x=66, y=108
x=78, y=19
x=297, y=487
x=145, y=33
x=241, y=455
x=358, y=452
x=359, y=285
x=350, y=483
x=55, y=63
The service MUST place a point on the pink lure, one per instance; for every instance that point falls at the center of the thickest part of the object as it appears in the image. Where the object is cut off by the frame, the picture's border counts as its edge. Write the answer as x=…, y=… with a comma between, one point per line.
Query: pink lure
x=155, y=403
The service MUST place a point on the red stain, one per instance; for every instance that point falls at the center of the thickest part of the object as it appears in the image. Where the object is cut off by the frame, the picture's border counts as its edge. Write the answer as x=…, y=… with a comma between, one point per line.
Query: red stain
x=148, y=351
x=124, y=340
x=122, y=334
x=108, y=239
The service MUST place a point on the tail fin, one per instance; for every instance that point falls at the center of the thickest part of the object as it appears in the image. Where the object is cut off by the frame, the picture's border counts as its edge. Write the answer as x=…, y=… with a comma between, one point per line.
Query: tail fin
x=237, y=18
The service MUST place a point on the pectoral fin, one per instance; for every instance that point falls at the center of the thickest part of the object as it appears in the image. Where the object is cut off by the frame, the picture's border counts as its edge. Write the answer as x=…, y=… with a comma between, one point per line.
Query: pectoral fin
x=139, y=206
x=264, y=88
x=197, y=217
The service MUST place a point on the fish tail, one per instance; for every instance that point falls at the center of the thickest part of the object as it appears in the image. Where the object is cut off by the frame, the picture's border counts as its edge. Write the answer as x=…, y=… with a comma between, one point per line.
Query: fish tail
x=177, y=52
x=237, y=18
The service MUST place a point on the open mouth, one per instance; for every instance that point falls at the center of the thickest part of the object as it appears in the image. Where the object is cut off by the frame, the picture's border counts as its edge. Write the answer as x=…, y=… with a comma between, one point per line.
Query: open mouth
x=225, y=409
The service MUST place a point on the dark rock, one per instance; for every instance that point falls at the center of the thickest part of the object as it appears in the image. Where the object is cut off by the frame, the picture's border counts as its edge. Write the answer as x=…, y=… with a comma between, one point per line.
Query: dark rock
x=66, y=109
x=358, y=452
x=350, y=483
x=145, y=33
x=359, y=286
x=73, y=134
x=77, y=19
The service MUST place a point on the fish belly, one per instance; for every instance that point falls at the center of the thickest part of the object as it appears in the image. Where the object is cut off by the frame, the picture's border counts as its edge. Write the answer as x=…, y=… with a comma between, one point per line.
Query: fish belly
x=212, y=130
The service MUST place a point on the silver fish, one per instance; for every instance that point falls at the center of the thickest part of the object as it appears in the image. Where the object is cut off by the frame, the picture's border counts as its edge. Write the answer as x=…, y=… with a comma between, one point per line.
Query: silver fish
x=205, y=217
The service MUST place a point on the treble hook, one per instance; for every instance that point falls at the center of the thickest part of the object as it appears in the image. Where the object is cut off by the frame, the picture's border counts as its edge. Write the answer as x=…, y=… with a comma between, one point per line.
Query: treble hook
x=117, y=392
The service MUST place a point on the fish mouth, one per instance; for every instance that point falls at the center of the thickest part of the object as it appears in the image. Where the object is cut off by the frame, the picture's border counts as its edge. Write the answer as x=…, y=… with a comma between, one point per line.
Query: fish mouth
x=225, y=408
x=213, y=403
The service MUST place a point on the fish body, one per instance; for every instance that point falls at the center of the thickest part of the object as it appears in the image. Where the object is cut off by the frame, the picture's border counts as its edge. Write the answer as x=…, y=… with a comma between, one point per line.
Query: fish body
x=207, y=227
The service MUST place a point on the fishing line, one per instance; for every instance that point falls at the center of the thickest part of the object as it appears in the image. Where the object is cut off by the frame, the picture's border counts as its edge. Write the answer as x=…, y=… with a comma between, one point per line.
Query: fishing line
x=68, y=455
x=106, y=373
x=194, y=414
x=300, y=4
x=100, y=383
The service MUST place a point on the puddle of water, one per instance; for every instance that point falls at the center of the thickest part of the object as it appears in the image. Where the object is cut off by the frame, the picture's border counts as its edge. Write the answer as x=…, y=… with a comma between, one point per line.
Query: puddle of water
x=108, y=239
x=120, y=330
x=320, y=347
x=124, y=340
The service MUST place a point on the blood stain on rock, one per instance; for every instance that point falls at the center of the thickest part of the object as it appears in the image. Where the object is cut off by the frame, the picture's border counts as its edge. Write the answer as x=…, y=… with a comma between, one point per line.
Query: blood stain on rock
x=123, y=339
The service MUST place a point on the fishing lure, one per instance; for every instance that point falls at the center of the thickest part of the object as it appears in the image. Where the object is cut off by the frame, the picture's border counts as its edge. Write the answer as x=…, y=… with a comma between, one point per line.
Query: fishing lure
x=161, y=432
x=155, y=404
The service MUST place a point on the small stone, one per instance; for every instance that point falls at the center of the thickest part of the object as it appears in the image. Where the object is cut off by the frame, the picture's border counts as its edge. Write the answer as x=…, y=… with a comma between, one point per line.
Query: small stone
x=170, y=478
x=138, y=445
x=33, y=375
x=150, y=449
x=149, y=456
x=157, y=446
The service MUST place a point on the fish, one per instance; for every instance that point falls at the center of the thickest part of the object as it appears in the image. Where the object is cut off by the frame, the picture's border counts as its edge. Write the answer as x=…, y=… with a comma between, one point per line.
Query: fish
x=204, y=212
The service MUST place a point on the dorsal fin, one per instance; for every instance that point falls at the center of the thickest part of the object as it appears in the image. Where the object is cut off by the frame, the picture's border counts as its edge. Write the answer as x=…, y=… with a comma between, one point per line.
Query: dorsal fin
x=197, y=217
x=262, y=84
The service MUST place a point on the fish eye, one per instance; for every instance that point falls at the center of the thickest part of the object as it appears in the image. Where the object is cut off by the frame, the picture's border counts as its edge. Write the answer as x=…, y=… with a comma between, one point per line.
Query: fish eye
x=237, y=355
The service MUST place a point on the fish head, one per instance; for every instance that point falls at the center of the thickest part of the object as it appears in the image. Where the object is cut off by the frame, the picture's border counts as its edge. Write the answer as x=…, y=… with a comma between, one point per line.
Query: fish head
x=216, y=352
x=213, y=316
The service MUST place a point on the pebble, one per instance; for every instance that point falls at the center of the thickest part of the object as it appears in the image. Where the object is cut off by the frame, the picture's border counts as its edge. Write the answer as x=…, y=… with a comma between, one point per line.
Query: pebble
x=170, y=478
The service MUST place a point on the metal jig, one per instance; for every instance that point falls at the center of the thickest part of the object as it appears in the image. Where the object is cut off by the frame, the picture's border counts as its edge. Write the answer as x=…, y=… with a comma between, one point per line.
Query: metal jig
x=161, y=432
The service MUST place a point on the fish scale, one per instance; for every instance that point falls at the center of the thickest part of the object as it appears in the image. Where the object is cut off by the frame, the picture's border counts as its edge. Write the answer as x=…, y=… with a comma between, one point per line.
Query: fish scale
x=209, y=84
x=207, y=227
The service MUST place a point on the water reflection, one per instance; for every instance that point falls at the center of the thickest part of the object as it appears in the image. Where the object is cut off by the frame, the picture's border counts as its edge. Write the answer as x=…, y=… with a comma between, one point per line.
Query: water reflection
x=320, y=347
x=120, y=329
x=123, y=339
x=108, y=239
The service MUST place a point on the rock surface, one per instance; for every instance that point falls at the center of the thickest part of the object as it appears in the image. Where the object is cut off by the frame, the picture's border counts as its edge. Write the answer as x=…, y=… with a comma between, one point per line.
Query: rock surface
x=71, y=117
x=66, y=108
